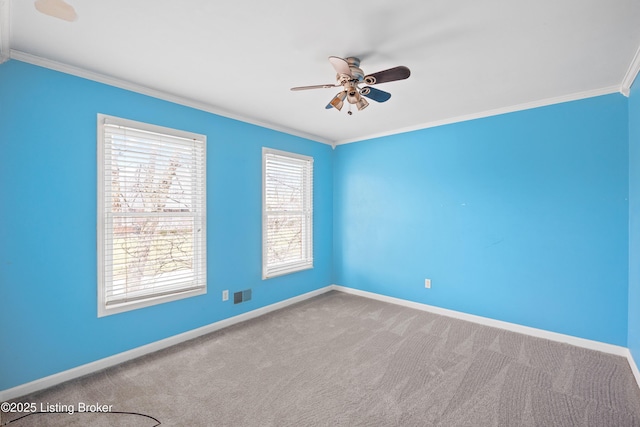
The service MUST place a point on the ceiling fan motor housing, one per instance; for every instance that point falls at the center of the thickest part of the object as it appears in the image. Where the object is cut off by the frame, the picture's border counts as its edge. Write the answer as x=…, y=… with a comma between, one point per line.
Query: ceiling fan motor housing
x=354, y=66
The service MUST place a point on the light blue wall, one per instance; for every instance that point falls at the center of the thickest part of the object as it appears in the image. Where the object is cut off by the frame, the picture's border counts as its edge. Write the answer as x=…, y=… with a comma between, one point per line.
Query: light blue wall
x=633, y=340
x=48, y=309
x=521, y=217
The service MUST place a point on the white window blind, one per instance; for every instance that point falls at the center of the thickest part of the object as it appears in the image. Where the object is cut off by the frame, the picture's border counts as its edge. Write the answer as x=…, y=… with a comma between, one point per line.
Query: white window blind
x=287, y=220
x=151, y=215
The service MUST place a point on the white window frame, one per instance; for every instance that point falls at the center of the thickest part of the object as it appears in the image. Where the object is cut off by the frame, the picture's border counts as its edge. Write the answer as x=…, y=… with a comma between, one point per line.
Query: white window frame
x=305, y=262
x=198, y=285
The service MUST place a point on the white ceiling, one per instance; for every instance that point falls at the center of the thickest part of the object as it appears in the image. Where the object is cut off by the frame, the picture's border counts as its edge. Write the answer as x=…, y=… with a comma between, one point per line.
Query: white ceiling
x=468, y=58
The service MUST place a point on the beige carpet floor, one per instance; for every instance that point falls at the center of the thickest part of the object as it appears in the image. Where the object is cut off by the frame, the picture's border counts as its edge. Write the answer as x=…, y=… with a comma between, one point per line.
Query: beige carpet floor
x=344, y=360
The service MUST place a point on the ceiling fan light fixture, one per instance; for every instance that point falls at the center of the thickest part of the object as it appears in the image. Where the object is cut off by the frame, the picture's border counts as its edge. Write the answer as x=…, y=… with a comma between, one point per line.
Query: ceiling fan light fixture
x=362, y=104
x=353, y=96
x=338, y=100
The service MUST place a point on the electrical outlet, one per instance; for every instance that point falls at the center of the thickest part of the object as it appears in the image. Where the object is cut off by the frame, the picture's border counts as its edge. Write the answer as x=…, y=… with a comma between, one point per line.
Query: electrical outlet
x=225, y=295
x=427, y=283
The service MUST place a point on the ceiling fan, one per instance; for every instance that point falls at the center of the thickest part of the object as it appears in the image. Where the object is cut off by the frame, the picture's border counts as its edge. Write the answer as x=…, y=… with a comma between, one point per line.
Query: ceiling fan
x=350, y=76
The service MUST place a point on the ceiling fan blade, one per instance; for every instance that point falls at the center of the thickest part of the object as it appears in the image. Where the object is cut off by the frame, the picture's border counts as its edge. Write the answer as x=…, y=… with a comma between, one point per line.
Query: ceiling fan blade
x=341, y=65
x=390, y=75
x=375, y=94
x=57, y=9
x=337, y=101
x=315, y=87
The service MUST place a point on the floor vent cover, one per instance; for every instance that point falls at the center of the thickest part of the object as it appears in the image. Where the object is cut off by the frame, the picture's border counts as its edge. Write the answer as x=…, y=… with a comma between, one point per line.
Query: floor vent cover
x=241, y=296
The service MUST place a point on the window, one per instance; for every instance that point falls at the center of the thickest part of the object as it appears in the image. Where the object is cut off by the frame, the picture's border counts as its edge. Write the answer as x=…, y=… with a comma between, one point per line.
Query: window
x=151, y=215
x=287, y=212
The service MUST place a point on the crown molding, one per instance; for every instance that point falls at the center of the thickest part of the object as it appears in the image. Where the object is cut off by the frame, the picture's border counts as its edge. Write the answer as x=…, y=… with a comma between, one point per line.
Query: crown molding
x=5, y=30
x=632, y=73
x=122, y=84
x=165, y=96
x=488, y=113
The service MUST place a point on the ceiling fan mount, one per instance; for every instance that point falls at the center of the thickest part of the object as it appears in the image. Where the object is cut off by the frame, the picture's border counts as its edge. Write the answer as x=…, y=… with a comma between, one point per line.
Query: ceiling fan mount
x=354, y=67
x=350, y=76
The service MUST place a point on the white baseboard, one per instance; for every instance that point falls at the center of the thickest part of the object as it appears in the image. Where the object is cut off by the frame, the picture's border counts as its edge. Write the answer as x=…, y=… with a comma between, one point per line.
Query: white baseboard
x=116, y=359
x=634, y=367
x=539, y=333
